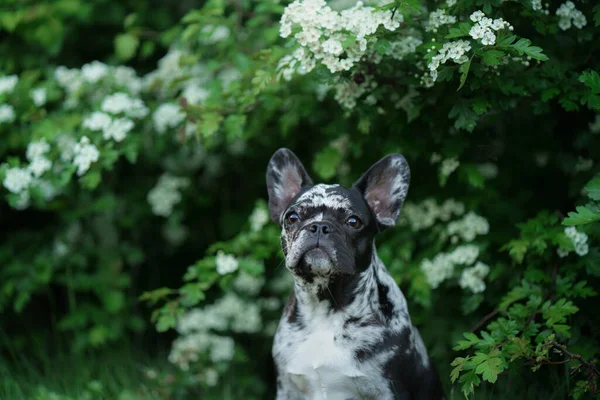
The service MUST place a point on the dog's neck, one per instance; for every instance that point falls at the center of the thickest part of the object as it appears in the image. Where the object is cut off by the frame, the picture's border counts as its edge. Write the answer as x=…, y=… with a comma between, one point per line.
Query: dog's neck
x=357, y=296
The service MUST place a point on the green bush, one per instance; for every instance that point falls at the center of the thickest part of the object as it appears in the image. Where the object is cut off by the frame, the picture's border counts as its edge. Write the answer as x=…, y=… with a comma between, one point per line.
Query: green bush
x=120, y=181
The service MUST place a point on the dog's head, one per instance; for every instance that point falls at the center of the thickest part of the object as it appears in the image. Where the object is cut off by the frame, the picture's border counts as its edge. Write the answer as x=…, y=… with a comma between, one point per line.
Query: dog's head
x=329, y=229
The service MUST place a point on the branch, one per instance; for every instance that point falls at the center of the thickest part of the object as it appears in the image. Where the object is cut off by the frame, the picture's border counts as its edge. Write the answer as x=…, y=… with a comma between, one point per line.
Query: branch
x=484, y=320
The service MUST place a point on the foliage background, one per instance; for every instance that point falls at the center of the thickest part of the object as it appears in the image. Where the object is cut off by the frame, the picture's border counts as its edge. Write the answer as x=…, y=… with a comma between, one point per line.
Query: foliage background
x=92, y=263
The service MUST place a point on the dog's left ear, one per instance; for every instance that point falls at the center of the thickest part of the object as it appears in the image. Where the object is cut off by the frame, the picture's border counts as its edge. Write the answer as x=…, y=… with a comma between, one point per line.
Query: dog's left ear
x=285, y=177
x=384, y=187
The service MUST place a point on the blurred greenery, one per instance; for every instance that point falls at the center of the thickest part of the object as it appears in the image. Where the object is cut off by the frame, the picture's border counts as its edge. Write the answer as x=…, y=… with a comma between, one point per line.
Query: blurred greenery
x=135, y=137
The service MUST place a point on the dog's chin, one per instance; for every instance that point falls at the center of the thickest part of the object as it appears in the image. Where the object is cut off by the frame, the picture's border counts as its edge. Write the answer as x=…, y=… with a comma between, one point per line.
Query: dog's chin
x=318, y=261
x=314, y=262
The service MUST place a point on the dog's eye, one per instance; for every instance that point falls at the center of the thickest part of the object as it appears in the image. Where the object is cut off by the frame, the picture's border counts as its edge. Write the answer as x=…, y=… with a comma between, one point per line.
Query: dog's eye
x=354, y=222
x=292, y=217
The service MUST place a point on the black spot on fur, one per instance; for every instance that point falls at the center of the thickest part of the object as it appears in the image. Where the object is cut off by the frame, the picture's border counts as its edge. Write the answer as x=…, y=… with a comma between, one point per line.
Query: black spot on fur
x=386, y=307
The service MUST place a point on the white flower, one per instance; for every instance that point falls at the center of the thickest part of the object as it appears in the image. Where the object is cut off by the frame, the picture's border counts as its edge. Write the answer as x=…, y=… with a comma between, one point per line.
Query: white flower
x=126, y=77
x=248, y=284
x=226, y=263
x=66, y=146
x=38, y=96
x=472, y=278
x=166, y=194
x=438, y=18
x=569, y=15
x=214, y=34
x=94, y=71
x=118, y=129
x=37, y=149
x=562, y=252
x=332, y=46
x=167, y=115
x=122, y=103
x=7, y=113
x=211, y=377
x=536, y=5
x=466, y=254
x=85, y=153
x=438, y=270
x=194, y=93
x=222, y=349
x=23, y=200
x=258, y=219
x=448, y=166
x=97, y=121
x=469, y=226
x=17, y=180
x=488, y=38
x=39, y=165
x=8, y=83
x=477, y=16
x=581, y=249
x=69, y=79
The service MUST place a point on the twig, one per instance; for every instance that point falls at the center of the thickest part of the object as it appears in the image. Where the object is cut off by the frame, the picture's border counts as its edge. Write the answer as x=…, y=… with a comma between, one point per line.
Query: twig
x=484, y=320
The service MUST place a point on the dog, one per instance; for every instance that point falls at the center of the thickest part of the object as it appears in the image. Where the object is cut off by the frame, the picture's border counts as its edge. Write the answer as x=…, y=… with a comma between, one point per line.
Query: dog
x=345, y=333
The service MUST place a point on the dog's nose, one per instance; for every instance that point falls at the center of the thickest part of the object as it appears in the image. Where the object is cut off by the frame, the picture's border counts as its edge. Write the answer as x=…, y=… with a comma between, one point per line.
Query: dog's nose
x=321, y=228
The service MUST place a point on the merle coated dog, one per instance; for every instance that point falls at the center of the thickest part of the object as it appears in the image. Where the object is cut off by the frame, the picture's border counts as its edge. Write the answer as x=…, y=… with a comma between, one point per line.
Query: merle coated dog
x=346, y=332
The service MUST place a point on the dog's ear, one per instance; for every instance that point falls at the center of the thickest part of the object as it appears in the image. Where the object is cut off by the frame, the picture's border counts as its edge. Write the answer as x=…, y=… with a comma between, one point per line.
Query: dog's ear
x=285, y=177
x=384, y=187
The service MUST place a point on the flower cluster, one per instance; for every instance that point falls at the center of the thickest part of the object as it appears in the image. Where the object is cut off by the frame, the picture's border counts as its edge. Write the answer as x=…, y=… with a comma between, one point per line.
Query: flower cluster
x=197, y=329
x=568, y=16
x=116, y=129
x=122, y=103
x=472, y=278
x=438, y=18
x=448, y=166
x=484, y=28
x=423, y=216
x=226, y=263
x=579, y=240
x=469, y=226
x=336, y=39
x=7, y=114
x=248, y=284
x=38, y=96
x=84, y=154
x=166, y=194
x=258, y=219
x=168, y=115
x=442, y=266
x=8, y=83
x=399, y=49
x=454, y=51
x=536, y=5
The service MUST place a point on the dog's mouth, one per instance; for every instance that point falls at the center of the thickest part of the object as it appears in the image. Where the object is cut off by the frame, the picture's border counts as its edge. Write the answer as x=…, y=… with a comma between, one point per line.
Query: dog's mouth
x=318, y=261
x=313, y=261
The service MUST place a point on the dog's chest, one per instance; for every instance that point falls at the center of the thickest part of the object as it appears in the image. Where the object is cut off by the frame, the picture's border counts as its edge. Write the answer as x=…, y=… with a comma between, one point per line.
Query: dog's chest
x=320, y=362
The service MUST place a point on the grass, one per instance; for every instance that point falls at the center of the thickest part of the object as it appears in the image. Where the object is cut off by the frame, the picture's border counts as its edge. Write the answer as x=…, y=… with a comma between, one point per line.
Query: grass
x=118, y=374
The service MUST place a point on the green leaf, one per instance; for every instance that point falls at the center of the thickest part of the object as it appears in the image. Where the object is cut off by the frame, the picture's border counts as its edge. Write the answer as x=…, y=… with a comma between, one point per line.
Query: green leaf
x=507, y=41
x=382, y=46
x=326, y=162
x=126, y=46
x=114, y=301
x=492, y=57
x=591, y=79
x=210, y=123
x=593, y=188
x=458, y=364
x=350, y=40
x=597, y=15
x=472, y=340
x=523, y=46
x=490, y=368
x=91, y=179
x=460, y=31
x=582, y=215
x=464, y=70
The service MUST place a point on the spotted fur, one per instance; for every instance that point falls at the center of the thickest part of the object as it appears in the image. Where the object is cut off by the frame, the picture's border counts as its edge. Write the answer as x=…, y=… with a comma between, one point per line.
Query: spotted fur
x=346, y=332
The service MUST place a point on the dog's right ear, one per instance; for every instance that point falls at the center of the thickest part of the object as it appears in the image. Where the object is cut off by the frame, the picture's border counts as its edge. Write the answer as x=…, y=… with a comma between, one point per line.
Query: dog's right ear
x=285, y=177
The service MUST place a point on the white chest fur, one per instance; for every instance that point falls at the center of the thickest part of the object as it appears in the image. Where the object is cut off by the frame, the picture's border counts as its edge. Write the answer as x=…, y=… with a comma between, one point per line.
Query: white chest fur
x=320, y=363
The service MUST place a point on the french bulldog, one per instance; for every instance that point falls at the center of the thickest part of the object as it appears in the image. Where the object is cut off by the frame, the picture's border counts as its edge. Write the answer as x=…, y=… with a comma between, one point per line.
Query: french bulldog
x=345, y=333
